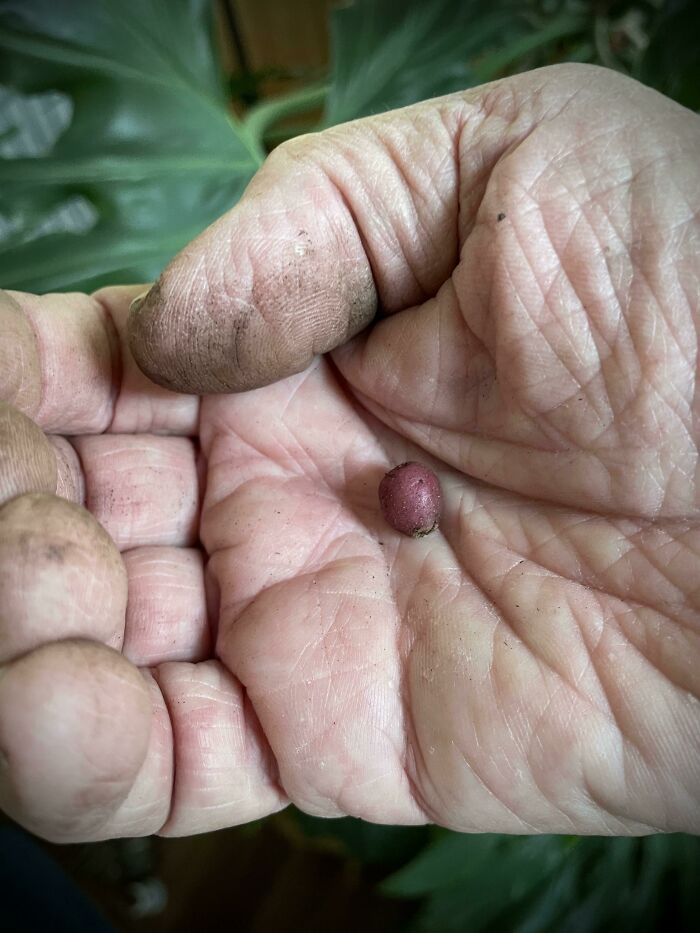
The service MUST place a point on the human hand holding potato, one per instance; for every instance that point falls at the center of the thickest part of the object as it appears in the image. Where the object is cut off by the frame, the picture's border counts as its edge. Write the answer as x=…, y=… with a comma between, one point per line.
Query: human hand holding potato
x=534, y=663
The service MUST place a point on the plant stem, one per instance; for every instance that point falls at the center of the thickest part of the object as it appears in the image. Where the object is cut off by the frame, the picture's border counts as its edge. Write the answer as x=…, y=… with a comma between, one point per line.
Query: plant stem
x=265, y=115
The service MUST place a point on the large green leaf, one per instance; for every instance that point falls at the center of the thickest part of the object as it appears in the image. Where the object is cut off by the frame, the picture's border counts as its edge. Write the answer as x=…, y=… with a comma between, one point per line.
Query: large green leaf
x=387, y=54
x=450, y=858
x=470, y=880
x=152, y=152
x=152, y=144
x=539, y=884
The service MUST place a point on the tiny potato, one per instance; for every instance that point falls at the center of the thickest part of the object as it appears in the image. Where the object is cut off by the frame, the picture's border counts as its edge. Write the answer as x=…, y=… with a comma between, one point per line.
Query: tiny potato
x=410, y=498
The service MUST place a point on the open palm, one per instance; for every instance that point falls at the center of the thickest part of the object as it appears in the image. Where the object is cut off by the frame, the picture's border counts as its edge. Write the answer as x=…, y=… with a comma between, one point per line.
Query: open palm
x=532, y=666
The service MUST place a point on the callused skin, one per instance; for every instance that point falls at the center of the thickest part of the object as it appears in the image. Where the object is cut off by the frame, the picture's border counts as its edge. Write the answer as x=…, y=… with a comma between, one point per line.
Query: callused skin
x=253, y=633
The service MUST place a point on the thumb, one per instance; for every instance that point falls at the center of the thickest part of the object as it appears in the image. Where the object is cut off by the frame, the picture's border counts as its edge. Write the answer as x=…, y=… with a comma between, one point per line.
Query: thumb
x=333, y=224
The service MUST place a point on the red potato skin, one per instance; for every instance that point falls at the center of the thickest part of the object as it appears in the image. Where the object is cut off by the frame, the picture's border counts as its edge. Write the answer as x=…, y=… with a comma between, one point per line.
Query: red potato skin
x=410, y=498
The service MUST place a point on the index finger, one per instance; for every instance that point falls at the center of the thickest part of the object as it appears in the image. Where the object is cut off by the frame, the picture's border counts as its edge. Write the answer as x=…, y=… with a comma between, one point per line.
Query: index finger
x=66, y=364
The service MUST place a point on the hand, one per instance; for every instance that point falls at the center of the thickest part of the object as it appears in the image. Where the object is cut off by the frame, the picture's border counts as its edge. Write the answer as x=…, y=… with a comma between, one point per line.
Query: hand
x=534, y=665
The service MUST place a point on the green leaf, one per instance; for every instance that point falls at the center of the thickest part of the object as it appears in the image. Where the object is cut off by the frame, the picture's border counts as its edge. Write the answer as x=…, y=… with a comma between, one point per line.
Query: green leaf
x=148, y=143
x=474, y=880
x=552, y=884
x=499, y=61
x=152, y=145
x=387, y=54
x=8, y=134
x=671, y=62
x=452, y=857
x=542, y=912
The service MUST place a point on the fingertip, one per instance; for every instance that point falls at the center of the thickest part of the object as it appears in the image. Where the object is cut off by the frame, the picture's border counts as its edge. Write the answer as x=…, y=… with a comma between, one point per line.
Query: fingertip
x=61, y=576
x=27, y=459
x=150, y=341
x=75, y=720
x=20, y=371
x=279, y=280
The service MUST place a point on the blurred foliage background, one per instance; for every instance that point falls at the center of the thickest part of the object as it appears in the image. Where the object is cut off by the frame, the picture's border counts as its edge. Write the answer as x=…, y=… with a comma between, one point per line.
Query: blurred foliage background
x=122, y=135
x=126, y=127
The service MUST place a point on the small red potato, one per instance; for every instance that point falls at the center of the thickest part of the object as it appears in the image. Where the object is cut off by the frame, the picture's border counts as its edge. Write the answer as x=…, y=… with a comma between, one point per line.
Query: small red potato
x=410, y=497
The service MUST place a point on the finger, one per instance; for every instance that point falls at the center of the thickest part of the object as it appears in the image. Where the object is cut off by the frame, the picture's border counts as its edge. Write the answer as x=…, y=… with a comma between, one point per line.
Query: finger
x=30, y=461
x=27, y=460
x=19, y=358
x=143, y=489
x=333, y=225
x=141, y=407
x=225, y=773
x=67, y=366
x=85, y=744
x=166, y=618
x=60, y=577
x=70, y=481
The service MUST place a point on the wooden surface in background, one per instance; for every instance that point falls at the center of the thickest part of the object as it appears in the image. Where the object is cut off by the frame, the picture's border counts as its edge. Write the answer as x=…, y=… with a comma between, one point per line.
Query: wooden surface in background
x=284, y=42
x=291, y=35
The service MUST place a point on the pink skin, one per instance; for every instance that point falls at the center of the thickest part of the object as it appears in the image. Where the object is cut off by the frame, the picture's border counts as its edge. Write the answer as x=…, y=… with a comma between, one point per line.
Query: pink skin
x=532, y=665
